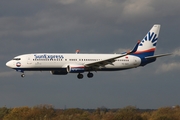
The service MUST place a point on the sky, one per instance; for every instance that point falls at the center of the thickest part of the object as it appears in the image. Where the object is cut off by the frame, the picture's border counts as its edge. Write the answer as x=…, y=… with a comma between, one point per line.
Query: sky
x=92, y=26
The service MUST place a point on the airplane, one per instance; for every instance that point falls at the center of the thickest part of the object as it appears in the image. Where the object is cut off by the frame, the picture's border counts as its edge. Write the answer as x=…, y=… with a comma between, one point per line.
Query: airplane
x=64, y=63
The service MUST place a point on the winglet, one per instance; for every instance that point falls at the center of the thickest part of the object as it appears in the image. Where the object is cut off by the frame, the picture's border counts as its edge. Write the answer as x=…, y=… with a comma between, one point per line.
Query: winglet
x=135, y=48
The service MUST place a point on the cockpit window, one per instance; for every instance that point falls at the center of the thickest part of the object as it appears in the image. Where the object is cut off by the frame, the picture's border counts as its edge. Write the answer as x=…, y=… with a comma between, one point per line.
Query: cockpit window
x=16, y=58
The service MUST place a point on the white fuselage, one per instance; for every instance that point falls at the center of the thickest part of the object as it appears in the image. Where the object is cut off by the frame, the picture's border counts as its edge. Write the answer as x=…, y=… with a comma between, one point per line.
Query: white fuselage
x=51, y=61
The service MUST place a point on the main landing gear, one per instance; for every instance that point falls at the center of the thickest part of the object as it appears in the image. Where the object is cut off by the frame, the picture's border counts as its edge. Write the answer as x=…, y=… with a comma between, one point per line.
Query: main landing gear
x=80, y=76
x=89, y=75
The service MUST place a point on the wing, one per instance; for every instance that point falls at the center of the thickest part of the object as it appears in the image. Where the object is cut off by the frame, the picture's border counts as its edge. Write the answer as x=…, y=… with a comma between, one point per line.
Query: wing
x=111, y=60
x=104, y=62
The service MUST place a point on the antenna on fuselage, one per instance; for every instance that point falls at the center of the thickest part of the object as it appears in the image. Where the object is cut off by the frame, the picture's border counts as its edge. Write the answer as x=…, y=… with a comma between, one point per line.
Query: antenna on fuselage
x=77, y=51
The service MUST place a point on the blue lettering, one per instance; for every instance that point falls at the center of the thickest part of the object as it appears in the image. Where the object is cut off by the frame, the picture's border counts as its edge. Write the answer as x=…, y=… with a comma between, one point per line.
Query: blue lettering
x=48, y=56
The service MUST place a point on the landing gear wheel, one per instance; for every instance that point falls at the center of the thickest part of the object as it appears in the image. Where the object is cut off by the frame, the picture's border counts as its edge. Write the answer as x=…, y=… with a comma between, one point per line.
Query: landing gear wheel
x=90, y=75
x=80, y=76
x=22, y=75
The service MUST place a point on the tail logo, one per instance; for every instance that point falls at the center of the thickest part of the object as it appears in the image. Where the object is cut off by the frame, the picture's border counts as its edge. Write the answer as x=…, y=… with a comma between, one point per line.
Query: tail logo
x=150, y=37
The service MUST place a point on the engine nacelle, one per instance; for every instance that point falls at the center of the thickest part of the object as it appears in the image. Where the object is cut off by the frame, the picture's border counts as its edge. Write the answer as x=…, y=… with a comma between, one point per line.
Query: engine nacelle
x=75, y=68
x=59, y=72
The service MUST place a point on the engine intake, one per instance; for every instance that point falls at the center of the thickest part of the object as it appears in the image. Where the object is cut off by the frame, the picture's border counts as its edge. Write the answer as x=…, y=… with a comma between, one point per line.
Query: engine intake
x=75, y=68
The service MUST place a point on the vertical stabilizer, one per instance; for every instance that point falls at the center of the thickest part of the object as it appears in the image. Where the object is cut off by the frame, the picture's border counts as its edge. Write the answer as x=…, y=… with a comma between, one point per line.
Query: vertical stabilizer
x=147, y=46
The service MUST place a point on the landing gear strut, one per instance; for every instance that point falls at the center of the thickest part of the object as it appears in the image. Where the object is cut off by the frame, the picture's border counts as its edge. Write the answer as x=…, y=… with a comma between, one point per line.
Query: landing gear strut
x=80, y=76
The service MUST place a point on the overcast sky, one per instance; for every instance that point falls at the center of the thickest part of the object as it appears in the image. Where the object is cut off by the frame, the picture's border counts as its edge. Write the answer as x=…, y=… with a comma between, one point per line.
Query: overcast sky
x=92, y=26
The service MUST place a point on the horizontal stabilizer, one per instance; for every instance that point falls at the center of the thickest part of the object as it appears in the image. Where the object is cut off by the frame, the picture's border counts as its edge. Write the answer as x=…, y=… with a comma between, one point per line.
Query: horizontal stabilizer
x=156, y=56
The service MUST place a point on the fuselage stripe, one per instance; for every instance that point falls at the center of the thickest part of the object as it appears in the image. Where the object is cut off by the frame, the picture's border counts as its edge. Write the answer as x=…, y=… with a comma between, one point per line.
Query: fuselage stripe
x=144, y=51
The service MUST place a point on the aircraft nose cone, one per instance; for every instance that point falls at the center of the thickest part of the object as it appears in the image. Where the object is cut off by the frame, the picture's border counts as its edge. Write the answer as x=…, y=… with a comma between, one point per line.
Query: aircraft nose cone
x=8, y=64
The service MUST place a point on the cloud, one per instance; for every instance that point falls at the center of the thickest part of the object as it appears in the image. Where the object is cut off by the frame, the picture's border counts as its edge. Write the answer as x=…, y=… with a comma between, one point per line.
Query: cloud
x=176, y=52
x=121, y=50
x=7, y=74
x=134, y=8
x=174, y=65
x=66, y=1
x=15, y=73
x=168, y=67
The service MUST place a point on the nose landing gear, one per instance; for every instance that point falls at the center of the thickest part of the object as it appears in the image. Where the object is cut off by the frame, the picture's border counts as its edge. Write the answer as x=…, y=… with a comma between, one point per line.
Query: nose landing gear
x=19, y=70
x=23, y=75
